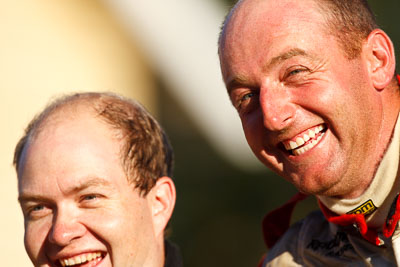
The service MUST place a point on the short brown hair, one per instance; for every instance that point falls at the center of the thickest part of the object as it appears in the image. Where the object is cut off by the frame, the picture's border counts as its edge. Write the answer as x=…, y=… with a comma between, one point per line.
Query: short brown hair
x=146, y=153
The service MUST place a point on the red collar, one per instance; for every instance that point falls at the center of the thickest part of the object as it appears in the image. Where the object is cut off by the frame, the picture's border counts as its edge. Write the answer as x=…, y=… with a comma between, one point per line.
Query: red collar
x=276, y=222
x=359, y=221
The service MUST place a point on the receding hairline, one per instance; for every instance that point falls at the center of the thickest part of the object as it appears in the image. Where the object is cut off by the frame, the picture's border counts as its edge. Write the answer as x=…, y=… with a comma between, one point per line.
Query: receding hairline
x=333, y=24
x=63, y=112
x=231, y=15
x=145, y=151
x=60, y=111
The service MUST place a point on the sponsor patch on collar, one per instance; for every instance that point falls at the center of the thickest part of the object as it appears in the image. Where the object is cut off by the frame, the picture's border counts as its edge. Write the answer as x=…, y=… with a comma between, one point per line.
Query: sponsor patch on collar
x=366, y=208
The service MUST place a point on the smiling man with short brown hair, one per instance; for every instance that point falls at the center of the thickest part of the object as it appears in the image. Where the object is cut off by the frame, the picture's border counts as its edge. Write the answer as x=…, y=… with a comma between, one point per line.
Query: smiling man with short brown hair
x=94, y=184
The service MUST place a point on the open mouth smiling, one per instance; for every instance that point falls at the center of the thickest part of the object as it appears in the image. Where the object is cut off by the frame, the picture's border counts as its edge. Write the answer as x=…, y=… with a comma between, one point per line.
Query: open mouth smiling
x=305, y=141
x=83, y=260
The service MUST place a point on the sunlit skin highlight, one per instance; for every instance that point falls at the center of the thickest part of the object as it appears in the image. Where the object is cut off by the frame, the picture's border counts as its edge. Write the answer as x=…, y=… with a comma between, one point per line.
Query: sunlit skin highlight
x=286, y=75
x=78, y=204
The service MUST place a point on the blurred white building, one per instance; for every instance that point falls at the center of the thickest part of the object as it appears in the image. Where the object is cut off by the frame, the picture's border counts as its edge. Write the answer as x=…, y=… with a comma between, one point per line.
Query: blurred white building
x=53, y=47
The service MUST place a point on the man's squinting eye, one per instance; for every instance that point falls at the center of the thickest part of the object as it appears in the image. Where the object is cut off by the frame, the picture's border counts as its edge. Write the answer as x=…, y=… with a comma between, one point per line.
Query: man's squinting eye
x=37, y=208
x=91, y=200
x=242, y=100
x=90, y=197
x=295, y=71
x=246, y=102
x=246, y=97
x=36, y=211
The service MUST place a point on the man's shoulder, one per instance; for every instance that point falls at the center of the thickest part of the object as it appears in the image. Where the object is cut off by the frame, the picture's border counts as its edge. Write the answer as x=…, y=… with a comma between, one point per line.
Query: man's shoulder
x=314, y=241
x=286, y=252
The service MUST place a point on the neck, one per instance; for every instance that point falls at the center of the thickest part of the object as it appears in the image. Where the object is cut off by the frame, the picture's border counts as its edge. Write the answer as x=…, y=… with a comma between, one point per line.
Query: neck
x=390, y=102
x=376, y=200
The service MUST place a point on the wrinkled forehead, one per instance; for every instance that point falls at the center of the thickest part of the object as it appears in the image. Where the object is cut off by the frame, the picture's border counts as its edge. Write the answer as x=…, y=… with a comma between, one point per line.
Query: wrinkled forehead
x=251, y=18
x=259, y=29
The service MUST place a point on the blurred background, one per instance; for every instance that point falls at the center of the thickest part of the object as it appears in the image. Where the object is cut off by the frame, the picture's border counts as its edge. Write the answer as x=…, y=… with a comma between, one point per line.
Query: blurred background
x=163, y=53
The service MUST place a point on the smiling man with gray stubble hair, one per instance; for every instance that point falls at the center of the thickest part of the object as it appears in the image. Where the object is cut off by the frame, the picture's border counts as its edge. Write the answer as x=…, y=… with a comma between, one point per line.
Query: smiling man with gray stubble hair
x=315, y=87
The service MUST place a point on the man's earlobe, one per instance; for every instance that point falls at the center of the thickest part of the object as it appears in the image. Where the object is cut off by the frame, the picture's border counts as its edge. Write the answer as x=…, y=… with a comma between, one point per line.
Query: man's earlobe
x=381, y=58
x=162, y=200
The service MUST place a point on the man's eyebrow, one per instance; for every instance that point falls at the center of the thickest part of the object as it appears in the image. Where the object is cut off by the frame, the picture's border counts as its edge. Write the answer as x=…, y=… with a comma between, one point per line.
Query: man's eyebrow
x=285, y=56
x=92, y=182
x=240, y=81
x=236, y=82
x=23, y=198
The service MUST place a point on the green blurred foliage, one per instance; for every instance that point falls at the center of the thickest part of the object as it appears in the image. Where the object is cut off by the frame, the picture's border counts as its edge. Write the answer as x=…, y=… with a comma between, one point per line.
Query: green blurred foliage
x=217, y=220
x=387, y=13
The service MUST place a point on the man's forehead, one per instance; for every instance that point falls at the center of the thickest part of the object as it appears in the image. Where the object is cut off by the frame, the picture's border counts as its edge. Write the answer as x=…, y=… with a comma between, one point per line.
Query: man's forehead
x=66, y=113
x=70, y=118
x=269, y=13
x=265, y=25
x=65, y=125
x=67, y=134
x=73, y=123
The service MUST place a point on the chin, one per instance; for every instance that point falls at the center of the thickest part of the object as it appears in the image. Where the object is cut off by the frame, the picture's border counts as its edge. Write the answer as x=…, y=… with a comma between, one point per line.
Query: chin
x=314, y=186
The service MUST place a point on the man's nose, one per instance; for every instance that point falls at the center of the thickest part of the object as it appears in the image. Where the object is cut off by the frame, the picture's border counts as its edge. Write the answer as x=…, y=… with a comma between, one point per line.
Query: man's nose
x=277, y=108
x=65, y=228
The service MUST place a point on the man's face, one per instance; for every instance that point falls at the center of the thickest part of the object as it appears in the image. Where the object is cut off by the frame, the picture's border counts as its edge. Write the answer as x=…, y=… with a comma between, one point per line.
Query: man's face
x=308, y=113
x=76, y=199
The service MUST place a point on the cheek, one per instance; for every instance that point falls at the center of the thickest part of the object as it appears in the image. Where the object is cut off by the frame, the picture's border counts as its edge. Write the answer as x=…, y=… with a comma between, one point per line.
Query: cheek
x=253, y=128
x=318, y=99
x=115, y=224
x=272, y=161
x=126, y=232
x=103, y=222
x=35, y=239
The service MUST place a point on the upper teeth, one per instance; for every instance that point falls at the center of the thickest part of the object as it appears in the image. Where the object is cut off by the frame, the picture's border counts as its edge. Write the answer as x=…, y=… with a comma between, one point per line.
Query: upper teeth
x=301, y=140
x=307, y=147
x=80, y=259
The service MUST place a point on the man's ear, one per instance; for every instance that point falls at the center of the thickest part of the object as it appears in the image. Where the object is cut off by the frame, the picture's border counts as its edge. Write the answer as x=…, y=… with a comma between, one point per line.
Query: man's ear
x=162, y=202
x=381, y=58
